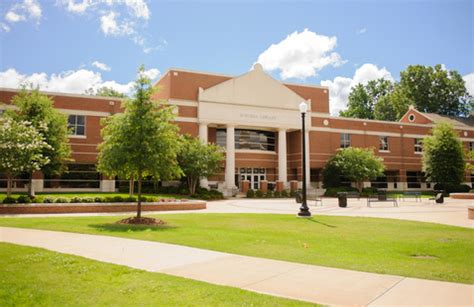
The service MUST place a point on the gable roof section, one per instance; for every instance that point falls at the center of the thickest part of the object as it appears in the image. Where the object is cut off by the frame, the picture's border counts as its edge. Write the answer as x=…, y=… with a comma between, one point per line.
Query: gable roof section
x=455, y=121
x=255, y=88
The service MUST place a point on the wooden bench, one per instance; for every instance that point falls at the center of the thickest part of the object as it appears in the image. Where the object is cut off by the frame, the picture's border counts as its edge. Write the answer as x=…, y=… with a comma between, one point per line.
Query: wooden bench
x=411, y=194
x=381, y=198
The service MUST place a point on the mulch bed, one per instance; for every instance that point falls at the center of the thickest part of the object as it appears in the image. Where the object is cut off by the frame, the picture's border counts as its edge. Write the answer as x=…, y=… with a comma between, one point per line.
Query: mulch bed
x=141, y=221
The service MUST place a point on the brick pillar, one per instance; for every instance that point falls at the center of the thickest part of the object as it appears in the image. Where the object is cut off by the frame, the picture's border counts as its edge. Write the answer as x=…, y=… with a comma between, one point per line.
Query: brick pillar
x=293, y=185
x=280, y=186
x=245, y=186
x=264, y=185
x=402, y=184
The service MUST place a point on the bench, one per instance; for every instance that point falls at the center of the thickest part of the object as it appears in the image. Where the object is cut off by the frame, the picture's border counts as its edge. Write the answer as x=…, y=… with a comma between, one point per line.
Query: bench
x=381, y=198
x=411, y=194
x=309, y=197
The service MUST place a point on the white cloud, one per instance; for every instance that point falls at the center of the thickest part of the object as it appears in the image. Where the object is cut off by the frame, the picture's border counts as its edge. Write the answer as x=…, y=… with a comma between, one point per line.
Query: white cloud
x=340, y=87
x=361, y=31
x=152, y=73
x=301, y=55
x=101, y=66
x=77, y=7
x=13, y=17
x=469, y=79
x=73, y=81
x=22, y=11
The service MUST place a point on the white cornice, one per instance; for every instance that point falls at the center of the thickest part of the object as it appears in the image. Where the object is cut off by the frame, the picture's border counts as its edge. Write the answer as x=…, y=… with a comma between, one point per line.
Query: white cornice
x=66, y=94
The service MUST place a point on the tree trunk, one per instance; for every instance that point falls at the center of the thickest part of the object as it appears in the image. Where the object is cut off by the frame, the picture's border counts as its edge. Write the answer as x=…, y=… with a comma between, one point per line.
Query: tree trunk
x=31, y=189
x=131, y=186
x=139, y=206
x=9, y=184
x=192, y=185
x=359, y=186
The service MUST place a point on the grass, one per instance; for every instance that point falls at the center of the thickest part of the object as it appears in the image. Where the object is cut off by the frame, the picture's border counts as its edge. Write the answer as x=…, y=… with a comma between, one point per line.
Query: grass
x=406, y=248
x=37, y=277
x=70, y=195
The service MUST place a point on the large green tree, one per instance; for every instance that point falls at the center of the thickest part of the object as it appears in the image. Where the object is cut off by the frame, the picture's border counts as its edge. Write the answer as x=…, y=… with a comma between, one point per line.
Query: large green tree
x=142, y=141
x=364, y=98
x=434, y=90
x=198, y=160
x=21, y=148
x=443, y=156
x=357, y=165
x=37, y=108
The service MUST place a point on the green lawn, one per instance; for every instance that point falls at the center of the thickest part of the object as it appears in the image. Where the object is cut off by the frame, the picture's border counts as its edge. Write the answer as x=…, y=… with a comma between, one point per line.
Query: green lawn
x=37, y=277
x=387, y=246
x=70, y=195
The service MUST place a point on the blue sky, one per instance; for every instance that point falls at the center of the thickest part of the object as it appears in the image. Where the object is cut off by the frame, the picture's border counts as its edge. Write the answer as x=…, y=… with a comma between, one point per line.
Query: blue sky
x=55, y=42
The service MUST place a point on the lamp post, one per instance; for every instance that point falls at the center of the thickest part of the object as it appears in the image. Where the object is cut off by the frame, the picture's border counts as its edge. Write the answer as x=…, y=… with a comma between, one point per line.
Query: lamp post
x=304, y=210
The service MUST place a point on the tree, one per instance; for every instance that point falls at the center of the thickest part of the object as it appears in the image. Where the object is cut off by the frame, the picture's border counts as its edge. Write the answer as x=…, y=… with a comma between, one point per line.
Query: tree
x=358, y=165
x=364, y=98
x=37, y=108
x=198, y=160
x=434, y=90
x=141, y=141
x=443, y=156
x=105, y=91
x=21, y=148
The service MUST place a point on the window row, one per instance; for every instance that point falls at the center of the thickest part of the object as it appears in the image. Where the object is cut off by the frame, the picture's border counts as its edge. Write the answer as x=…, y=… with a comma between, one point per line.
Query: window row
x=249, y=139
x=384, y=144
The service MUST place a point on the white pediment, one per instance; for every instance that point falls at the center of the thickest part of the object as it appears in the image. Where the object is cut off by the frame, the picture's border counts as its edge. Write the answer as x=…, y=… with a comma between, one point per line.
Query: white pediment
x=256, y=89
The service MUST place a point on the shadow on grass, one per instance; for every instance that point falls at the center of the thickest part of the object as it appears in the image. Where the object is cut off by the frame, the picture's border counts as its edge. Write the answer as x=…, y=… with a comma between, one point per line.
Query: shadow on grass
x=319, y=222
x=131, y=228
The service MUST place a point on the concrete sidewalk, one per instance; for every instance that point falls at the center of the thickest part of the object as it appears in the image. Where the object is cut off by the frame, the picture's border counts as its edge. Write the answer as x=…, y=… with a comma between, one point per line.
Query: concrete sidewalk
x=286, y=279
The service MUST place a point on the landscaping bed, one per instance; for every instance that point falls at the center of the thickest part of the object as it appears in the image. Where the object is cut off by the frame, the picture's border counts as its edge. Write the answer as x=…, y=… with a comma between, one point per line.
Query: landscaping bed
x=167, y=205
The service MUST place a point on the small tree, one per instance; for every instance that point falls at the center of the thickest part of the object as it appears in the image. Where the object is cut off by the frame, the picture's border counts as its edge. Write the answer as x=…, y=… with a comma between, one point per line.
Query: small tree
x=37, y=108
x=198, y=160
x=21, y=148
x=142, y=141
x=358, y=165
x=443, y=156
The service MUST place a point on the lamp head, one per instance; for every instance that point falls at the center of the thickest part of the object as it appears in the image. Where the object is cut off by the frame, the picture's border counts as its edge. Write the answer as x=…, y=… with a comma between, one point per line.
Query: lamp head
x=303, y=107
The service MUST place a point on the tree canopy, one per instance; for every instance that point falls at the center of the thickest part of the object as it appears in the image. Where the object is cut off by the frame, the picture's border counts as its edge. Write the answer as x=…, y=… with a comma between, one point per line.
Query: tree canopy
x=443, y=156
x=21, y=148
x=105, y=91
x=357, y=165
x=37, y=109
x=430, y=89
x=142, y=141
x=197, y=160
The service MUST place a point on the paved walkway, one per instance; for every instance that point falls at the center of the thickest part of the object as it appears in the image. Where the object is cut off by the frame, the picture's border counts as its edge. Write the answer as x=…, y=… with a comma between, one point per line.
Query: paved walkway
x=452, y=212
x=298, y=281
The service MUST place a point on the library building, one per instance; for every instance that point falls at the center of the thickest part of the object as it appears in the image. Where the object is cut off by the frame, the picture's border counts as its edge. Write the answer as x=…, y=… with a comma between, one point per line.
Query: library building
x=257, y=120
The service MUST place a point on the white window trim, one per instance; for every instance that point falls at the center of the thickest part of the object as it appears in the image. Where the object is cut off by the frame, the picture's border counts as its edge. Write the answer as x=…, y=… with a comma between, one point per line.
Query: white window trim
x=79, y=136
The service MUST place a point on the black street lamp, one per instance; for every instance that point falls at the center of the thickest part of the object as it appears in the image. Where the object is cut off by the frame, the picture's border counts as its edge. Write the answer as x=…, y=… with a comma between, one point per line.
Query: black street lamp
x=304, y=210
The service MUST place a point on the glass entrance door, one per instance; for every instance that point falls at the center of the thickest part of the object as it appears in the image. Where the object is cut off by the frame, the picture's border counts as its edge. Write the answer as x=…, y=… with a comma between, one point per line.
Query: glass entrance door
x=253, y=175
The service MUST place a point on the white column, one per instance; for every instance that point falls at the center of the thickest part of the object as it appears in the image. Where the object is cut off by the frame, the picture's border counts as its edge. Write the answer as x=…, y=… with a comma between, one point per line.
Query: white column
x=203, y=137
x=230, y=158
x=282, y=176
x=308, y=168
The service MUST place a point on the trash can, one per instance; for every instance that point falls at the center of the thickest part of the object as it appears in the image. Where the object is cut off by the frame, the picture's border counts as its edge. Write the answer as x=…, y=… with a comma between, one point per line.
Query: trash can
x=382, y=195
x=439, y=198
x=342, y=199
x=299, y=197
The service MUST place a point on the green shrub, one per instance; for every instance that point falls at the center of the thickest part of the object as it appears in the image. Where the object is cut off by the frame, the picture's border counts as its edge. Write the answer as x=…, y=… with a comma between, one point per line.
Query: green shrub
x=144, y=199
x=49, y=200
x=23, y=199
x=259, y=194
x=284, y=193
x=62, y=200
x=108, y=199
x=98, y=199
x=250, y=193
x=453, y=188
x=131, y=199
x=76, y=199
x=9, y=200
x=117, y=199
x=293, y=193
x=269, y=194
x=369, y=191
x=88, y=199
x=151, y=199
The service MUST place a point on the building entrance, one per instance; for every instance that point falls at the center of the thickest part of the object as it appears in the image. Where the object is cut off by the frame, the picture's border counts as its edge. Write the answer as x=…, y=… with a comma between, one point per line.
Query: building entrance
x=253, y=175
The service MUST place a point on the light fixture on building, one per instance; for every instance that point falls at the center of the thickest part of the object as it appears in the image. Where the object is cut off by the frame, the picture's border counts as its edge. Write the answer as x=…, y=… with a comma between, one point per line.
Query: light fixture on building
x=304, y=210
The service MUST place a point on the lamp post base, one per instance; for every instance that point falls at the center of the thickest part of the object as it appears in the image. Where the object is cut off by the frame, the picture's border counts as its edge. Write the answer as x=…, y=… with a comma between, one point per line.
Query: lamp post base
x=304, y=211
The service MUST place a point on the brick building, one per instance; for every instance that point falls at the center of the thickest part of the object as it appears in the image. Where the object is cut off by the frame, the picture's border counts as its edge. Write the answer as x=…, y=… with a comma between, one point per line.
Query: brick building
x=257, y=120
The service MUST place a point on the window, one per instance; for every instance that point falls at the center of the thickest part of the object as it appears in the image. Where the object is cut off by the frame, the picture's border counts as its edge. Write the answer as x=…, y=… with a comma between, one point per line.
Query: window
x=249, y=139
x=76, y=124
x=345, y=140
x=411, y=117
x=419, y=145
x=471, y=146
x=383, y=143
